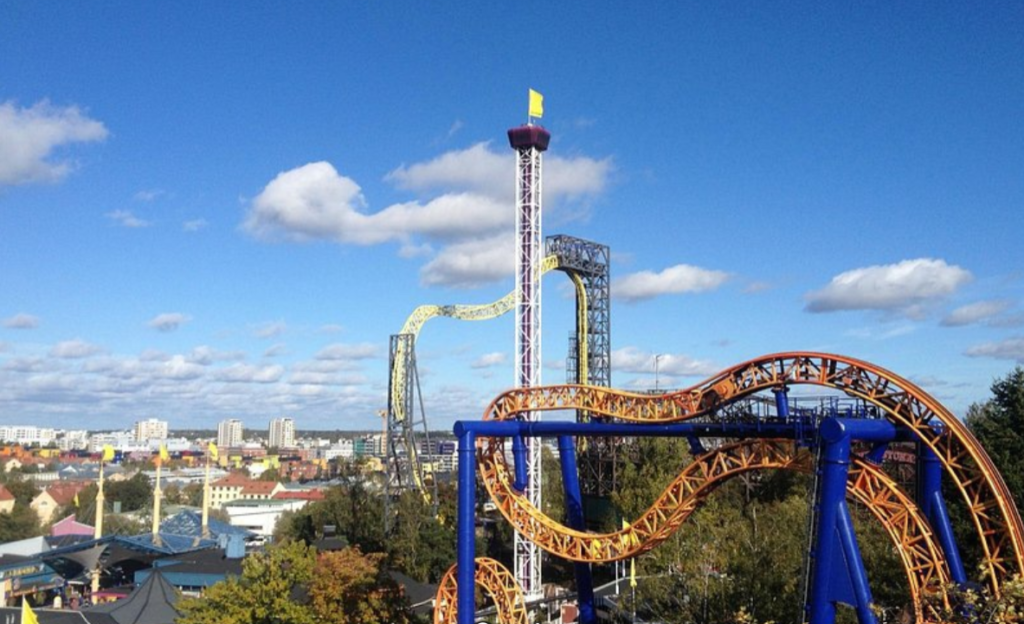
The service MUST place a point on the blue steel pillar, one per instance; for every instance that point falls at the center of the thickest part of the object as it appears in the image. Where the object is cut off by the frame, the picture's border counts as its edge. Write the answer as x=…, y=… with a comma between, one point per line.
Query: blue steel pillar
x=933, y=505
x=575, y=519
x=839, y=574
x=465, y=573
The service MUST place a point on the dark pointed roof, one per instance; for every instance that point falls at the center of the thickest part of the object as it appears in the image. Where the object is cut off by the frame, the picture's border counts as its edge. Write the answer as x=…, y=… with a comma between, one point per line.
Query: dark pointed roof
x=151, y=603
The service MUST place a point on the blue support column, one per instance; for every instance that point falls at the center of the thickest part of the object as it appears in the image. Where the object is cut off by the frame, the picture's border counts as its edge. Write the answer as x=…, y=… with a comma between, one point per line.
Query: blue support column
x=838, y=568
x=782, y=401
x=465, y=573
x=575, y=519
x=933, y=505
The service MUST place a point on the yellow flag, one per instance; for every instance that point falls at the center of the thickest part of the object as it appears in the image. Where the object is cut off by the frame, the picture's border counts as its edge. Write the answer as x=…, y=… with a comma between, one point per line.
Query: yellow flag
x=212, y=449
x=108, y=452
x=76, y=499
x=536, y=104
x=632, y=572
x=164, y=455
x=27, y=615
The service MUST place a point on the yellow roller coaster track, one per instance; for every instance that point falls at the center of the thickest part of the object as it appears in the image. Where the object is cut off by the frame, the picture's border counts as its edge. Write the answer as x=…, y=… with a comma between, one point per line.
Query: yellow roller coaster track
x=991, y=508
x=481, y=312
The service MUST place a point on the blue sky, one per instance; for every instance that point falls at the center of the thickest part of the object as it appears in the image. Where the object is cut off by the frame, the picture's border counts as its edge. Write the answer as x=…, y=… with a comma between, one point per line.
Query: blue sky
x=223, y=210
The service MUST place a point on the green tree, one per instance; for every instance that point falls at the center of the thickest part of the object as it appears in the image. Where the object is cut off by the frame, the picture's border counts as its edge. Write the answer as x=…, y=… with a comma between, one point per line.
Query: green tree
x=999, y=425
x=20, y=523
x=22, y=490
x=133, y=494
x=262, y=595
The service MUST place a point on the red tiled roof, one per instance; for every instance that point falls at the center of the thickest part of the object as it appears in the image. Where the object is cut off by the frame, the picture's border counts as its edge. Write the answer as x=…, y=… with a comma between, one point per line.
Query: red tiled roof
x=257, y=488
x=64, y=493
x=311, y=495
x=235, y=479
x=5, y=494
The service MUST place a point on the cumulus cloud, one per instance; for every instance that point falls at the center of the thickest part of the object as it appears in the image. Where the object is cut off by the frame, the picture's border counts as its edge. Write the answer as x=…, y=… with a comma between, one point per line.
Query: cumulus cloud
x=1008, y=349
x=194, y=225
x=21, y=321
x=682, y=278
x=473, y=200
x=637, y=361
x=340, y=351
x=168, y=321
x=489, y=360
x=471, y=264
x=127, y=219
x=904, y=287
x=29, y=136
x=206, y=355
x=980, y=312
x=247, y=373
x=271, y=330
x=74, y=349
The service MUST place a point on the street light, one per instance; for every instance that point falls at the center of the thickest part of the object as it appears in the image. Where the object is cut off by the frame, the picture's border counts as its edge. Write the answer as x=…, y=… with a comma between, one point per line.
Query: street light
x=656, y=359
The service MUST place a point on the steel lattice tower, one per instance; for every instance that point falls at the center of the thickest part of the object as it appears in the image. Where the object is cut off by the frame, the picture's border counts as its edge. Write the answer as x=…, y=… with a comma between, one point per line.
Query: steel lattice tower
x=529, y=142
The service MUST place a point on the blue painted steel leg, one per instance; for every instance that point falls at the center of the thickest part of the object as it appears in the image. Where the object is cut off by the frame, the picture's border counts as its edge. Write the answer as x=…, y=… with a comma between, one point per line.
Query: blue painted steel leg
x=576, y=520
x=465, y=573
x=781, y=401
x=929, y=497
x=831, y=541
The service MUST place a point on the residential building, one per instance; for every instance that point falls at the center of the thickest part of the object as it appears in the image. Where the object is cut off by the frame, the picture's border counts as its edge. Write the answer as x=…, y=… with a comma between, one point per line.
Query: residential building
x=227, y=489
x=229, y=433
x=282, y=433
x=151, y=429
x=6, y=500
x=58, y=495
x=27, y=435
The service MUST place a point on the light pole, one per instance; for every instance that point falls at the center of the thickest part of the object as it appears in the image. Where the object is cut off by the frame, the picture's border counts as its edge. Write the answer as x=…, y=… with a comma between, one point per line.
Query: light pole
x=656, y=359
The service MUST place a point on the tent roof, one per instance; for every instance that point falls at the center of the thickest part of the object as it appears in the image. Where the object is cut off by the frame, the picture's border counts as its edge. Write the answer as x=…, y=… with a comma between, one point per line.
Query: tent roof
x=151, y=603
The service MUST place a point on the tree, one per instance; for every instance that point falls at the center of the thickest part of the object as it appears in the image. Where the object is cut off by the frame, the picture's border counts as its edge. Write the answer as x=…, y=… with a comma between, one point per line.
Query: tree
x=135, y=493
x=20, y=523
x=352, y=588
x=999, y=425
x=262, y=595
x=22, y=490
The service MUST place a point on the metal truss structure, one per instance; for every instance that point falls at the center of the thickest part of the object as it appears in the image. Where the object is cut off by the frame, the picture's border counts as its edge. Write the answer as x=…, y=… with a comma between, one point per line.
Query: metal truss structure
x=900, y=411
x=402, y=469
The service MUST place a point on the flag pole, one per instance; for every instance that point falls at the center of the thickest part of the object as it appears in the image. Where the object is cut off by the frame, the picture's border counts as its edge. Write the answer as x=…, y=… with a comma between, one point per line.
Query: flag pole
x=206, y=497
x=156, y=498
x=98, y=531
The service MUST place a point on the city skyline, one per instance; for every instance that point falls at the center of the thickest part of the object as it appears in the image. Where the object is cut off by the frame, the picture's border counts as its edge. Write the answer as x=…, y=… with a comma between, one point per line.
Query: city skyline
x=227, y=213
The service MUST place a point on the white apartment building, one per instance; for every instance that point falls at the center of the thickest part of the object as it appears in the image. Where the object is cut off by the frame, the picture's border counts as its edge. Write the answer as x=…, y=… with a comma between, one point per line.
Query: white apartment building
x=343, y=448
x=73, y=440
x=151, y=429
x=25, y=435
x=282, y=433
x=229, y=433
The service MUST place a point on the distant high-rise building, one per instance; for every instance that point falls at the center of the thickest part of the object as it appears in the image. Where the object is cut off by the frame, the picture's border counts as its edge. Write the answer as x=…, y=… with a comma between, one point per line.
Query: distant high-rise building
x=229, y=433
x=282, y=433
x=151, y=429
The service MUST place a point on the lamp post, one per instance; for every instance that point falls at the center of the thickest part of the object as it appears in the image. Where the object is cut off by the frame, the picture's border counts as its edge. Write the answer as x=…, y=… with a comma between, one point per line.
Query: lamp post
x=656, y=359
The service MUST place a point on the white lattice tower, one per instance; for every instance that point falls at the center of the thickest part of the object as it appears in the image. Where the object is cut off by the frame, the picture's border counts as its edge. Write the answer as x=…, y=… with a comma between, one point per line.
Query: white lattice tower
x=529, y=142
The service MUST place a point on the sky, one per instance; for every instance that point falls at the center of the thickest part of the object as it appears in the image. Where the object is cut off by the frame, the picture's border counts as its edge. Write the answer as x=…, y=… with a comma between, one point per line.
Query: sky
x=224, y=210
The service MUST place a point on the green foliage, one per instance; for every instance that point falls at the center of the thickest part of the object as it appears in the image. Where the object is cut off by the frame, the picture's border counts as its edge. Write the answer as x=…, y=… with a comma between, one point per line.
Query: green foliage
x=21, y=523
x=969, y=605
x=133, y=494
x=999, y=425
x=22, y=490
x=262, y=595
x=352, y=588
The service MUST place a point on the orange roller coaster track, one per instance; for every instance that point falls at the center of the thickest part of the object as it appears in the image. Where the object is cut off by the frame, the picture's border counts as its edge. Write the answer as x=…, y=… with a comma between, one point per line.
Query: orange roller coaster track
x=995, y=519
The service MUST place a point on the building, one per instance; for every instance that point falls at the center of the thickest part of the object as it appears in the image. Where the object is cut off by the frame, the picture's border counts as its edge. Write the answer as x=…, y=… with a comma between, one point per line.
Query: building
x=27, y=435
x=151, y=429
x=282, y=433
x=60, y=494
x=229, y=433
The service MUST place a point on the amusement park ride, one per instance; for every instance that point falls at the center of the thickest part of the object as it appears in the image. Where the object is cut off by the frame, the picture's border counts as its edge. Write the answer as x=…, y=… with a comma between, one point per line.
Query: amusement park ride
x=842, y=448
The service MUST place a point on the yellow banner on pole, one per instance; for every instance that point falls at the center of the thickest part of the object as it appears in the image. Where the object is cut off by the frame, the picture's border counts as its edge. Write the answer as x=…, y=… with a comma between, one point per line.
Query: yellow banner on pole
x=536, y=104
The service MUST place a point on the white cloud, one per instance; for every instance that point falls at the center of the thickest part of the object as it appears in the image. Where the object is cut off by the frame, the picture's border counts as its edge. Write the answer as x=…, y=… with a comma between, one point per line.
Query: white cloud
x=21, y=321
x=474, y=202
x=270, y=330
x=206, y=355
x=902, y=287
x=275, y=350
x=472, y=263
x=247, y=373
x=1008, y=349
x=489, y=360
x=194, y=225
x=29, y=136
x=178, y=368
x=127, y=219
x=74, y=349
x=339, y=351
x=168, y=321
x=681, y=278
x=637, y=361
x=980, y=312
x=147, y=195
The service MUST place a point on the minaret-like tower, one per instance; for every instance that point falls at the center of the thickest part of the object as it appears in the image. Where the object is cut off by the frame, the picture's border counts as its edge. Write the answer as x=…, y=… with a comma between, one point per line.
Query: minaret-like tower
x=529, y=142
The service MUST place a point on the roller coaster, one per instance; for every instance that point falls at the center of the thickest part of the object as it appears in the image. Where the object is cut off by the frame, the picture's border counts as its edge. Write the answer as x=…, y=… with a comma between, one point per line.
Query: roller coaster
x=843, y=450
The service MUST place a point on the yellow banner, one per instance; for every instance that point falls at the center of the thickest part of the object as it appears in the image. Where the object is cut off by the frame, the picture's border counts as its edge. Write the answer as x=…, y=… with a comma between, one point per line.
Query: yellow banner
x=536, y=104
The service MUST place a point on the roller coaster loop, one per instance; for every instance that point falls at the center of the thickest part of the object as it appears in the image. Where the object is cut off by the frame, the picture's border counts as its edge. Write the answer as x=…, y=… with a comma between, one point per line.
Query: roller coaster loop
x=903, y=411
